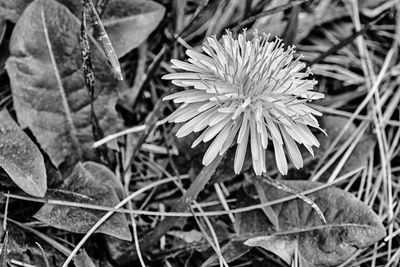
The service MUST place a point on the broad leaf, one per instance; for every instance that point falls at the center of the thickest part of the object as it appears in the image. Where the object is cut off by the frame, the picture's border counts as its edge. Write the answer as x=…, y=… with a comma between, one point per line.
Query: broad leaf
x=11, y=9
x=82, y=259
x=333, y=125
x=350, y=225
x=129, y=22
x=82, y=187
x=48, y=86
x=105, y=176
x=20, y=158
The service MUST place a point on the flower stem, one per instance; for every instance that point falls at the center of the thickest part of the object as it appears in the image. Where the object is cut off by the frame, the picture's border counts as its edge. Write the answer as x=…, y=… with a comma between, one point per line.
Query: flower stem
x=183, y=203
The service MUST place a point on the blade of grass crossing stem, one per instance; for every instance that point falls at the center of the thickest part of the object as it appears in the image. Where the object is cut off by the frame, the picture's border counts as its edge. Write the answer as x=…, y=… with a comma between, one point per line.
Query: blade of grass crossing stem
x=102, y=37
x=87, y=68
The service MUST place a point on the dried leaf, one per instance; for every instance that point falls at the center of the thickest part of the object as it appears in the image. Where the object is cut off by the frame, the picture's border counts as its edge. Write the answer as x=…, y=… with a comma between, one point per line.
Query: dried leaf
x=130, y=22
x=20, y=158
x=48, y=85
x=350, y=225
x=83, y=188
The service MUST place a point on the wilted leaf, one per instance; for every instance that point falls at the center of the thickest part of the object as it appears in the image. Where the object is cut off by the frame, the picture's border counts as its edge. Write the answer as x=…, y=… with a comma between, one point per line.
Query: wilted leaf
x=48, y=86
x=105, y=176
x=350, y=225
x=129, y=22
x=20, y=158
x=82, y=260
x=83, y=188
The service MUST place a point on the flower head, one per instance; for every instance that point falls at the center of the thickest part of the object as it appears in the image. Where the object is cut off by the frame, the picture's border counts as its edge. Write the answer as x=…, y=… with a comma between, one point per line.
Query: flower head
x=248, y=92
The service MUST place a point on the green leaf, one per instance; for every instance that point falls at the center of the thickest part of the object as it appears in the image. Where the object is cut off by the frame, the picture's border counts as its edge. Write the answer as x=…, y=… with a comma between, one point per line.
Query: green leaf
x=105, y=176
x=83, y=260
x=350, y=225
x=333, y=125
x=20, y=157
x=129, y=22
x=82, y=187
x=11, y=9
x=48, y=86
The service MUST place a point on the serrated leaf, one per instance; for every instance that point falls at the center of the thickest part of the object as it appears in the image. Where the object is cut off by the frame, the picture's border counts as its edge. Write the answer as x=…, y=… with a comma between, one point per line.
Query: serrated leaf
x=48, y=86
x=20, y=157
x=350, y=225
x=82, y=187
x=129, y=22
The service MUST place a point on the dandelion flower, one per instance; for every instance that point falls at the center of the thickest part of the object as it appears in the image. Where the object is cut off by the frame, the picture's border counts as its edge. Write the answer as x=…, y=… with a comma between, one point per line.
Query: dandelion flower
x=246, y=92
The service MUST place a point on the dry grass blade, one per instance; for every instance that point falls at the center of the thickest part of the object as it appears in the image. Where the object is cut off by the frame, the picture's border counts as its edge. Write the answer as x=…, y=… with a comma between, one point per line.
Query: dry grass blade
x=267, y=13
x=289, y=190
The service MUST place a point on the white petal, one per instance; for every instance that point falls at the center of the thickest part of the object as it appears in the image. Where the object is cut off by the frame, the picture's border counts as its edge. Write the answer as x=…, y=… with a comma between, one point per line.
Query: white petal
x=280, y=157
x=216, y=145
x=193, y=98
x=181, y=94
x=206, y=106
x=229, y=139
x=187, y=75
x=185, y=113
x=293, y=150
x=214, y=130
x=205, y=118
x=186, y=66
x=219, y=117
x=309, y=148
x=199, y=56
x=198, y=140
x=243, y=127
x=309, y=135
x=187, y=128
x=273, y=130
x=241, y=152
x=254, y=145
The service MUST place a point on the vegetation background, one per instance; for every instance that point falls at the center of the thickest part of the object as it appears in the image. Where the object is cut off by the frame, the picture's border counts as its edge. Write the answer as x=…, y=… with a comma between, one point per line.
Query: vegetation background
x=75, y=141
